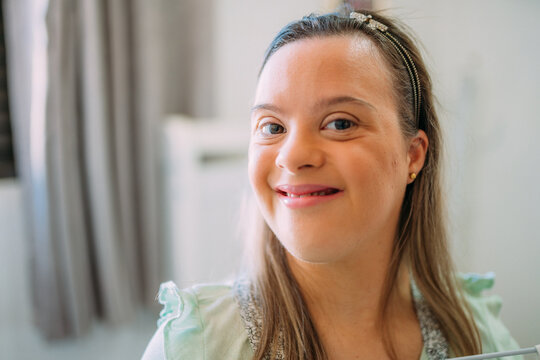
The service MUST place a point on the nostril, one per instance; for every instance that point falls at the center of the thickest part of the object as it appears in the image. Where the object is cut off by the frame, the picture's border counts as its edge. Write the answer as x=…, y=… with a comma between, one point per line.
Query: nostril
x=299, y=154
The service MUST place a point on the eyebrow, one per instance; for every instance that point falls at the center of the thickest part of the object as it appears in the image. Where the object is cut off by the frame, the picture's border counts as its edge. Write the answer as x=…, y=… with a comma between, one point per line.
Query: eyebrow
x=319, y=104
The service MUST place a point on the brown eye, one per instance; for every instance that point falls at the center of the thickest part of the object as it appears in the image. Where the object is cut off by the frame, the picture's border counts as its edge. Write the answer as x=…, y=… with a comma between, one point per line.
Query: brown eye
x=272, y=129
x=340, y=124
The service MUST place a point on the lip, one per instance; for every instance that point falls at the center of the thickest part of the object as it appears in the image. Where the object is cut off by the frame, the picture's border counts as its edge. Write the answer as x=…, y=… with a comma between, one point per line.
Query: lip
x=298, y=202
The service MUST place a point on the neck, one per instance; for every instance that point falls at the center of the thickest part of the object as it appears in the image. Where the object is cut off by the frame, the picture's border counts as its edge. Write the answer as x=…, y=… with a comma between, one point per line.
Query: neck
x=345, y=304
x=349, y=293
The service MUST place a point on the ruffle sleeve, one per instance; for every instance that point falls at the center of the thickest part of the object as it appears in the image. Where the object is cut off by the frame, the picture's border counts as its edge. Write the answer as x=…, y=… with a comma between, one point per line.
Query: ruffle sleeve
x=486, y=312
x=180, y=331
x=169, y=296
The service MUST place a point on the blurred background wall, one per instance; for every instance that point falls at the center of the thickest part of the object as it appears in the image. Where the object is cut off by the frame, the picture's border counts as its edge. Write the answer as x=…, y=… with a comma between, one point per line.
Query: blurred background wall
x=484, y=58
x=487, y=79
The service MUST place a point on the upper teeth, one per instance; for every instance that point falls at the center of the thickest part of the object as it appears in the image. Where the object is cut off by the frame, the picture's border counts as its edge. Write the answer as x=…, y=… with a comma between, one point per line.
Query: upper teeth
x=320, y=193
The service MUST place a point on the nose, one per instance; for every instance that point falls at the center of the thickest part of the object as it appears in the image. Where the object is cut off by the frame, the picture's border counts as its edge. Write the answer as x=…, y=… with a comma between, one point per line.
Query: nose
x=300, y=151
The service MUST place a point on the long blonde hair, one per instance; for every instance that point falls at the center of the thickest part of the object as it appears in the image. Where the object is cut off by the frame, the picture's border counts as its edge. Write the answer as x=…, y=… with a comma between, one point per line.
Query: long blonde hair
x=421, y=239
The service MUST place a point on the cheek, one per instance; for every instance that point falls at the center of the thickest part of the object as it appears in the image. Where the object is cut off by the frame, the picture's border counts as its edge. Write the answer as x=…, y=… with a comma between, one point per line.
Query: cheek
x=391, y=159
x=377, y=176
x=259, y=168
x=393, y=178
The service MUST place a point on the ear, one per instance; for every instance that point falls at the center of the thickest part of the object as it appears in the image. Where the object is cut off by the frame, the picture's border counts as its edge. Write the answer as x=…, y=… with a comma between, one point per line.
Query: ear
x=416, y=155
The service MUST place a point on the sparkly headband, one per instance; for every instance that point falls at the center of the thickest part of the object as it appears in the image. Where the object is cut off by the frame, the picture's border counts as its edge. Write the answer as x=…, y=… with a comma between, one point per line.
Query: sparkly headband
x=409, y=64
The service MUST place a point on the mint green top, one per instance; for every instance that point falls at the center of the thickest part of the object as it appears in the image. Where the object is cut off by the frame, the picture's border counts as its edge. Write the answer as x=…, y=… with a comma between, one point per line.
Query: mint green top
x=204, y=322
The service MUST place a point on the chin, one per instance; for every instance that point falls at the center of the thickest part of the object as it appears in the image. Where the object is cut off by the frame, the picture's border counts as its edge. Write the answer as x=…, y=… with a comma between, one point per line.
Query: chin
x=314, y=250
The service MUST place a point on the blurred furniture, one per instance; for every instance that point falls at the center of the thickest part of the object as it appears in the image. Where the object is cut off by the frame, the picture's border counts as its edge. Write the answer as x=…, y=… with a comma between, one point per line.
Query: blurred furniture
x=205, y=181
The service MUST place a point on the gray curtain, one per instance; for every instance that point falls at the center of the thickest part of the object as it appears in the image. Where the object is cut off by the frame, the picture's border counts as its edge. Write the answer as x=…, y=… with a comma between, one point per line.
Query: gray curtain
x=94, y=264
x=89, y=166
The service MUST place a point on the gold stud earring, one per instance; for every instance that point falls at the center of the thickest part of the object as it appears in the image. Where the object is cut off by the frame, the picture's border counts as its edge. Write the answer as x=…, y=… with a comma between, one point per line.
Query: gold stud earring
x=412, y=176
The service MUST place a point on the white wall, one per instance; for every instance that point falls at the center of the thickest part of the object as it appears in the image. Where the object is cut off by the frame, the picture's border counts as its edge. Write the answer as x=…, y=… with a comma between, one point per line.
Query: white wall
x=243, y=30
x=484, y=56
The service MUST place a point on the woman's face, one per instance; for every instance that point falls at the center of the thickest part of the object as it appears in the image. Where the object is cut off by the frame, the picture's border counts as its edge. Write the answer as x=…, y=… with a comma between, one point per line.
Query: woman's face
x=327, y=160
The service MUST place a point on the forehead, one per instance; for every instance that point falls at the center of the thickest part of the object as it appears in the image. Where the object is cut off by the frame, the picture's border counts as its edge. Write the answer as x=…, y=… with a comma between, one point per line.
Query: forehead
x=320, y=66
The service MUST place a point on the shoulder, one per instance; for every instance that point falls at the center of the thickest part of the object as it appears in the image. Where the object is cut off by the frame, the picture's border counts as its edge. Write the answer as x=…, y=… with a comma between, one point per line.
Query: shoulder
x=486, y=312
x=200, y=322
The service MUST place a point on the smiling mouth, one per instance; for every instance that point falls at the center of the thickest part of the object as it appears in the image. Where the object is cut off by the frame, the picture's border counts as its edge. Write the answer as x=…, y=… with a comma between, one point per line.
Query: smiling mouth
x=325, y=192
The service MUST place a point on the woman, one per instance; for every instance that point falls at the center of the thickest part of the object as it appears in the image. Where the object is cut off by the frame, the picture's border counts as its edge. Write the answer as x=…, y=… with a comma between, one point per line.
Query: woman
x=353, y=260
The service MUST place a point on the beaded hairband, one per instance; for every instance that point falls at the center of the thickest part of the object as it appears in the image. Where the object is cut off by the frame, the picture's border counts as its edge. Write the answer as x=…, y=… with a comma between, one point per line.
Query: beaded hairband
x=409, y=64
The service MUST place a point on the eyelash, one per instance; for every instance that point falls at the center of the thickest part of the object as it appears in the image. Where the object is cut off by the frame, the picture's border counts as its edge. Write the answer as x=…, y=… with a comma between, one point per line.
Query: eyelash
x=282, y=129
x=263, y=126
x=350, y=123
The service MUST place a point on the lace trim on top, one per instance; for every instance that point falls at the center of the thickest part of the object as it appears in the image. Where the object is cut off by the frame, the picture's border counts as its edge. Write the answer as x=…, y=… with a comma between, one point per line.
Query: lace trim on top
x=250, y=312
x=435, y=344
